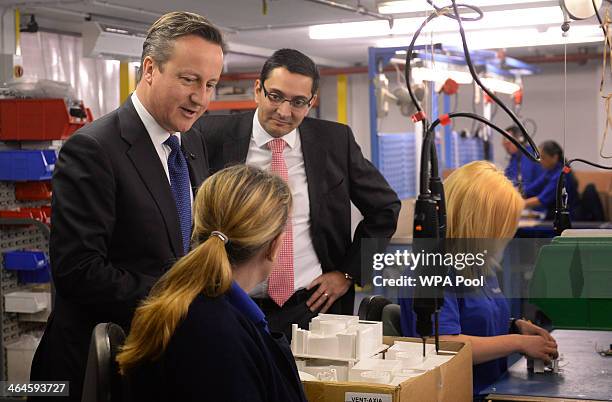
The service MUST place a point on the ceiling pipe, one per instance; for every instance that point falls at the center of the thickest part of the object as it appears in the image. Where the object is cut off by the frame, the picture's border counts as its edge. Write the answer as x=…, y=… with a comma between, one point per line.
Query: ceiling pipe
x=359, y=9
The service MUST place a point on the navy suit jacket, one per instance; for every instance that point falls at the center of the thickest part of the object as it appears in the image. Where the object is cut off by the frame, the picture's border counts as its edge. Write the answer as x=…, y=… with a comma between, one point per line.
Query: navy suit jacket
x=114, y=232
x=218, y=354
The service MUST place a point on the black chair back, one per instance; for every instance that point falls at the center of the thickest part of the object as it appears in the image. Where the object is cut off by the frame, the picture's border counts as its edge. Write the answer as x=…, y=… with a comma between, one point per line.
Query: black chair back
x=371, y=308
x=103, y=383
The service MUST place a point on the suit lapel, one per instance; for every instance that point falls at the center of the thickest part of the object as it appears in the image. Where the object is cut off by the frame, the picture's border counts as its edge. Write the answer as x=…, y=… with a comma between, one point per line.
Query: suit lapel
x=196, y=161
x=315, y=163
x=146, y=162
x=236, y=146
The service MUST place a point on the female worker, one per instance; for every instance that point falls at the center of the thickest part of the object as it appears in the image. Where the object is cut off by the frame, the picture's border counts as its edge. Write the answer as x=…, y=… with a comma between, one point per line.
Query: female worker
x=541, y=194
x=521, y=170
x=483, y=207
x=198, y=336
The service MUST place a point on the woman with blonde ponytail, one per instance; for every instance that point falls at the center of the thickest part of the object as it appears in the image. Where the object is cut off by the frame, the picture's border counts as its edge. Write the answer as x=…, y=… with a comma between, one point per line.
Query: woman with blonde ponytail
x=198, y=336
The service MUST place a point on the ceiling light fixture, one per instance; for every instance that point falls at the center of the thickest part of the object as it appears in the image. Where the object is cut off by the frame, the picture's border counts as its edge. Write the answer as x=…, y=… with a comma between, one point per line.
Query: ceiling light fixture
x=523, y=17
x=411, y=6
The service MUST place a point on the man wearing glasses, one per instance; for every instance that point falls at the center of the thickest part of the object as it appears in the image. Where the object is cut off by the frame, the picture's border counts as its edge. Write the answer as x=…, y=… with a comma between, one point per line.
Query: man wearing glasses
x=319, y=263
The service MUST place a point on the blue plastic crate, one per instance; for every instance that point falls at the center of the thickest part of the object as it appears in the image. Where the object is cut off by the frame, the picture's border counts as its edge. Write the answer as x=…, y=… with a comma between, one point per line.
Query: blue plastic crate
x=38, y=276
x=25, y=260
x=31, y=266
x=26, y=165
x=396, y=160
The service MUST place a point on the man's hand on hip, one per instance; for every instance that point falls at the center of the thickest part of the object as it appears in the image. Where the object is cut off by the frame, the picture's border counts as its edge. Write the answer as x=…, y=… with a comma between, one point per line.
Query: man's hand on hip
x=331, y=286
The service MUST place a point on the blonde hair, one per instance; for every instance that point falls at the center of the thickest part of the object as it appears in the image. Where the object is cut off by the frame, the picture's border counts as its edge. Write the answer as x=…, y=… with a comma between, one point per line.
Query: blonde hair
x=246, y=204
x=481, y=203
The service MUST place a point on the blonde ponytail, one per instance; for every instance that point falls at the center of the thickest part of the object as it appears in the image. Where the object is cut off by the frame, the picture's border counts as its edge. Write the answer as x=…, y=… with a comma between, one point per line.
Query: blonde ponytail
x=250, y=207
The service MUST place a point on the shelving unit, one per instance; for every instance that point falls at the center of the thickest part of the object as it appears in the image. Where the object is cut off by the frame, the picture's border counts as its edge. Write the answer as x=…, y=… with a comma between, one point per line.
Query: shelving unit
x=15, y=234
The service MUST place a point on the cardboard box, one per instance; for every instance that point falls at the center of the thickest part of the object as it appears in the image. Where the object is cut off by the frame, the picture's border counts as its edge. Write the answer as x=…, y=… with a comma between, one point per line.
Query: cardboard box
x=452, y=382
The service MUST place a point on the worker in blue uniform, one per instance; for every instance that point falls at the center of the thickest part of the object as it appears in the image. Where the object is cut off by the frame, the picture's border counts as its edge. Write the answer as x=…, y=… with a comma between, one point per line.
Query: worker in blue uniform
x=199, y=336
x=521, y=170
x=483, y=205
x=542, y=193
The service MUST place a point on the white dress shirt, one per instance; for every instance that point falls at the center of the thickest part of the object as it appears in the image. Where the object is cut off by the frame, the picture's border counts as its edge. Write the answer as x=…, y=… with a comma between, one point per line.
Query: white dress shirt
x=306, y=265
x=158, y=135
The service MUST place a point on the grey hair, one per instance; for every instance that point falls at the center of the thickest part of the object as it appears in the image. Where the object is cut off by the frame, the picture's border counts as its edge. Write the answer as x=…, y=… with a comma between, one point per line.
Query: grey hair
x=161, y=36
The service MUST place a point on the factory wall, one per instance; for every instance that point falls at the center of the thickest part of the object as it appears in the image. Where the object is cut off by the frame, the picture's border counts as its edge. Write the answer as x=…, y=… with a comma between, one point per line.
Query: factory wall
x=543, y=102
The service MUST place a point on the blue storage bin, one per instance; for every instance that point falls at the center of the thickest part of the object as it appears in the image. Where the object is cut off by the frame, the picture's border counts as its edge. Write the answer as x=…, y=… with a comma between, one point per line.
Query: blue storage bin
x=31, y=266
x=37, y=276
x=25, y=260
x=26, y=165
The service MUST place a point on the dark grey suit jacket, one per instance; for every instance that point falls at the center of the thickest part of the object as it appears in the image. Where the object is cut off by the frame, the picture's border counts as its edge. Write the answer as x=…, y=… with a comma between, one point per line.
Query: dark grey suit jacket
x=337, y=175
x=114, y=232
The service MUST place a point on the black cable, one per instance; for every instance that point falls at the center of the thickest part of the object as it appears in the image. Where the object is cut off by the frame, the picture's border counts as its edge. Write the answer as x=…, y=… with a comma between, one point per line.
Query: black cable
x=481, y=119
x=408, y=67
x=597, y=165
x=509, y=112
x=454, y=17
x=439, y=11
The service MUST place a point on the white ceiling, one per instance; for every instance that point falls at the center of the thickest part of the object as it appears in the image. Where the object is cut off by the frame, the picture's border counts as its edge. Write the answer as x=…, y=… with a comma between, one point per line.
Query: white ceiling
x=284, y=25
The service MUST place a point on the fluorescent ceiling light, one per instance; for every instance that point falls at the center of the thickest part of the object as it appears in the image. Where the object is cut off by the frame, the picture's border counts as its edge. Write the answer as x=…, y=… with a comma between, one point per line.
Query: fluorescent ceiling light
x=523, y=17
x=438, y=74
x=411, y=6
x=505, y=38
x=501, y=86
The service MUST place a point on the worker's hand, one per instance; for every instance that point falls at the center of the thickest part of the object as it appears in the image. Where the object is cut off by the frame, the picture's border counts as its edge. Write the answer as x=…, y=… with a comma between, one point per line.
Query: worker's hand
x=332, y=286
x=528, y=328
x=538, y=347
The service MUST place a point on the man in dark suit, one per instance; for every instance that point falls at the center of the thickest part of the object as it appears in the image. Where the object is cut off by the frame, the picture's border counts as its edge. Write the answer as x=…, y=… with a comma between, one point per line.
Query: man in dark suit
x=122, y=193
x=319, y=262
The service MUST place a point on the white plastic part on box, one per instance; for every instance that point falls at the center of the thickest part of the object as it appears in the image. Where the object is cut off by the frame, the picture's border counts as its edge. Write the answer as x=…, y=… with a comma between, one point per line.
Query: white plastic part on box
x=410, y=359
x=338, y=337
x=376, y=377
x=409, y=347
x=315, y=367
x=19, y=357
x=404, y=375
x=26, y=302
x=378, y=365
x=431, y=362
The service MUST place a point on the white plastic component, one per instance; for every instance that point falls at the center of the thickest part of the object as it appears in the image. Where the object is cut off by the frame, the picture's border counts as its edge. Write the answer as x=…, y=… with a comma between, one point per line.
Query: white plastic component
x=330, y=375
x=404, y=375
x=306, y=376
x=409, y=347
x=410, y=359
x=19, y=357
x=339, y=337
x=376, y=377
x=341, y=372
x=367, y=365
x=26, y=302
x=432, y=361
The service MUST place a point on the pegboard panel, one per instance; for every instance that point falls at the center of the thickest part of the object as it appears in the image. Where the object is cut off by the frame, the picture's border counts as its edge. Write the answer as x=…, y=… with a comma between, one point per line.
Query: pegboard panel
x=7, y=195
x=15, y=238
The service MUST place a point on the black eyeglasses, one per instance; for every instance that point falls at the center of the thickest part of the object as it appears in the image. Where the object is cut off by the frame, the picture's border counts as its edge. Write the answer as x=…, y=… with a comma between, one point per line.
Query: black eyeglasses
x=299, y=102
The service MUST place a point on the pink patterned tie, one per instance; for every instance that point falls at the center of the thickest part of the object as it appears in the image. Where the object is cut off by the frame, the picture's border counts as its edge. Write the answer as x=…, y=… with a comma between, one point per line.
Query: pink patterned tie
x=280, y=281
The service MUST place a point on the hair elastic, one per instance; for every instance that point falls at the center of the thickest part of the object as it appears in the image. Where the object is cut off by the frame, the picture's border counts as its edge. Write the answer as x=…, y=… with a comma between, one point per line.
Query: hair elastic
x=220, y=236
